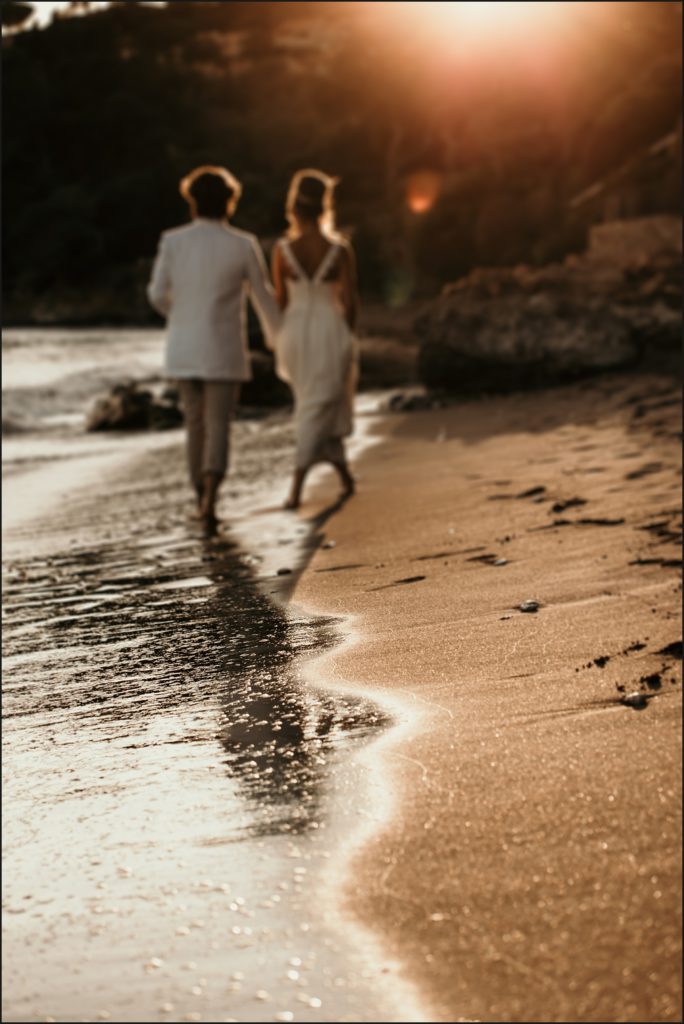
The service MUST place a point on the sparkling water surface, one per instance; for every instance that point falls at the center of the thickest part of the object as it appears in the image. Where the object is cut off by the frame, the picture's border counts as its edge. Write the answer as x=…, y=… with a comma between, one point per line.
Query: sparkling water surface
x=177, y=793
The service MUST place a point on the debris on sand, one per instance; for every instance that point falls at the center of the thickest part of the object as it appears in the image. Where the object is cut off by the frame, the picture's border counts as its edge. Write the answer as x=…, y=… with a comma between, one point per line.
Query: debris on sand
x=636, y=700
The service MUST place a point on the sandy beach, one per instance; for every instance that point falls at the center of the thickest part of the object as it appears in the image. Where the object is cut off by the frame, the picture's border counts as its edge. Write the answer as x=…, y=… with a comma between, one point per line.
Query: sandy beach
x=324, y=767
x=406, y=754
x=531, y=869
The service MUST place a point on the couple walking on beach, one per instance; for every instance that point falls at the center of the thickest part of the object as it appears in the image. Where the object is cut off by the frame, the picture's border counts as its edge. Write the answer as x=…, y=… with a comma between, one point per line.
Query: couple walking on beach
x=201, y=276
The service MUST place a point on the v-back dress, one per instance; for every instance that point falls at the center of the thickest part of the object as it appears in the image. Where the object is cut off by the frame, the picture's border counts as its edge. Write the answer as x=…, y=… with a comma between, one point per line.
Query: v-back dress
x=316, y=355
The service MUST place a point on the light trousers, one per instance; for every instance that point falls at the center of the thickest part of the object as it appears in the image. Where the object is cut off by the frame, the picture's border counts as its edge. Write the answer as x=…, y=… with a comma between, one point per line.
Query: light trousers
x=209, y=407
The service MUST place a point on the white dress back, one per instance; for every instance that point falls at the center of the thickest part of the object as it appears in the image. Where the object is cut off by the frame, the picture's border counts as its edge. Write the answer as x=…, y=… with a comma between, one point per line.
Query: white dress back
x=316, y=355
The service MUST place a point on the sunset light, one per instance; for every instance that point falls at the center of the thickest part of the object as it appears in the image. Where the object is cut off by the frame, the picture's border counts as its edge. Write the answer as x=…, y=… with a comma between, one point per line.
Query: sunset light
x=341, y=443
x=492, y=22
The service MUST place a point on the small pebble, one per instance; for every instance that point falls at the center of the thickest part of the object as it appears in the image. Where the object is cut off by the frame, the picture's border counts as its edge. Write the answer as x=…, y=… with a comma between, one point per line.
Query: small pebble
x=529, y=606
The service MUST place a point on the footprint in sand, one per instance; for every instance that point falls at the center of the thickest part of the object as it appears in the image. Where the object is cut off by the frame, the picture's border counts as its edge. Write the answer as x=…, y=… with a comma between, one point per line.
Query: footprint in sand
x=666, y=563
x=488, y=559
x=397, y=583
x=439, y=554
x=646, y=470
x=561, y=506
x=673, y=650
x=340, y=568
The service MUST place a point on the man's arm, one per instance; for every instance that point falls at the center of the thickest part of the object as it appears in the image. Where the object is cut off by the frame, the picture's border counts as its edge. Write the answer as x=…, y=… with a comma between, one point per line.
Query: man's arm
x=159, y=287
x=261, y=293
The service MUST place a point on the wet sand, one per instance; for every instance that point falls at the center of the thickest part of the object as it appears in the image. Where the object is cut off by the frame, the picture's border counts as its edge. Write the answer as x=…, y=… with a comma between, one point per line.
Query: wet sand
x=530, y=870
x=175, y=794
x=449, y=814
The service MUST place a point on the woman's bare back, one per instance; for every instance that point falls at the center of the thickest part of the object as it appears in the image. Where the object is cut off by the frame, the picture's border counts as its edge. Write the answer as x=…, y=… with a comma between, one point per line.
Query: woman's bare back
x=310, y=250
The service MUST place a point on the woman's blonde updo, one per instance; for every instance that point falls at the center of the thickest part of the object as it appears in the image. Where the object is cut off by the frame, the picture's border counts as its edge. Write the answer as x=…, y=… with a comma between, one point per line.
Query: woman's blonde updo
x=311, y=198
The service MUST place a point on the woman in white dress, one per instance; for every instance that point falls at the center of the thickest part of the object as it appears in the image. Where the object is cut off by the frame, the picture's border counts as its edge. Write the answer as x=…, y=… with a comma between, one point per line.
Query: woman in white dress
x=315, y=281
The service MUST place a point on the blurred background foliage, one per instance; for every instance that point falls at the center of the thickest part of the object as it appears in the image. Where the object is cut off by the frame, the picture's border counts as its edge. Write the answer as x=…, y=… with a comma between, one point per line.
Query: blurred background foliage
x=102, y=115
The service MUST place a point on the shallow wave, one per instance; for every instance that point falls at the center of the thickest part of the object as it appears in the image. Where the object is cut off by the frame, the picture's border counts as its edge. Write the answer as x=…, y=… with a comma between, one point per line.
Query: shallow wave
x=51, y=376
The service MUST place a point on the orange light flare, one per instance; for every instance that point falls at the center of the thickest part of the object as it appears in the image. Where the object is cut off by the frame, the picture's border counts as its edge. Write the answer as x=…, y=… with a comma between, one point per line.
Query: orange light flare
x=422, y=191
x=492, y=24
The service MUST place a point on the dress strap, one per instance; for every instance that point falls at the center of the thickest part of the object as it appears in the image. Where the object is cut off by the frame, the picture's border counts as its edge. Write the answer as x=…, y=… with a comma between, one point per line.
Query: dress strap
x=291, y=259
x=327, y=262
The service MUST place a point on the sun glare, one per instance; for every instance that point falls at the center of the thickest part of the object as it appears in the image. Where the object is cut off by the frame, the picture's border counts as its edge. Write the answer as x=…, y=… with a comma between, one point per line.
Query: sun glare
x=492, y=21
x=488, y=13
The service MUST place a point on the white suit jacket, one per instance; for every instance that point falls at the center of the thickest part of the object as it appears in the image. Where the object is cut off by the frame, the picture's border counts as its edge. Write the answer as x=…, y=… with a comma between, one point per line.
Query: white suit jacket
x=201, y=277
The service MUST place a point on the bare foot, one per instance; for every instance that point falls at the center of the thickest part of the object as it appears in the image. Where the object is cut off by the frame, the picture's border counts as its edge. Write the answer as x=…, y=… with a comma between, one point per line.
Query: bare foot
x=348, y=482
x=296, y=489
x=209, y=524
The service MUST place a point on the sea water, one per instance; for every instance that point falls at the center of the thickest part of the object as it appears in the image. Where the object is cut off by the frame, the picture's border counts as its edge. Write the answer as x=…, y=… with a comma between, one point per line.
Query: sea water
x=175, y=791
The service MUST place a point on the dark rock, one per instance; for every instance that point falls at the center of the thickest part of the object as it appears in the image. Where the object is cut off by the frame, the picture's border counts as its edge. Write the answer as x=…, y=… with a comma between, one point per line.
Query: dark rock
x=529, y=606
x=505, y=329
x=127, y=407
x=673, y=650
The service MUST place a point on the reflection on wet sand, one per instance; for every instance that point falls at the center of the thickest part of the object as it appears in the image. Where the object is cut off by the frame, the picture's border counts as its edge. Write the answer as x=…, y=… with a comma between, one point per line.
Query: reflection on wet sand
x=164, y=753
x=139, y=642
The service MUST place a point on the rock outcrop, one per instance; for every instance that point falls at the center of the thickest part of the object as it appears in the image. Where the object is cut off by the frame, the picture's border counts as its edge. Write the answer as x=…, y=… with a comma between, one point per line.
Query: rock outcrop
x=501, y=329
x=128, y=407
x=154, y=406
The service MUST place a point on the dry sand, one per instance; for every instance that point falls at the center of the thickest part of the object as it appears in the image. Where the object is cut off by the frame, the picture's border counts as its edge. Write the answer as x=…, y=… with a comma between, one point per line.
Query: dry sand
x=531, y=871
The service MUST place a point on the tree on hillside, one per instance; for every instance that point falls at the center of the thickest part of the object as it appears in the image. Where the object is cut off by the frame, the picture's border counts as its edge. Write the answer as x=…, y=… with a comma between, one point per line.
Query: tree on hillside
x=103, y=114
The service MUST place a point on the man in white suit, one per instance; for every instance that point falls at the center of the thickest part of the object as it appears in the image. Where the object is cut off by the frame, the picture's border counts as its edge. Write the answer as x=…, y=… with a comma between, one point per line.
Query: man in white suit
x=201, y=277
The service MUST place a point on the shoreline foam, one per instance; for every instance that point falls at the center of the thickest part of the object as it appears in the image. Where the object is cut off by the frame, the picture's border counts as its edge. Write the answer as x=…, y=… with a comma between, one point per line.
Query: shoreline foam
x=529, y=873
